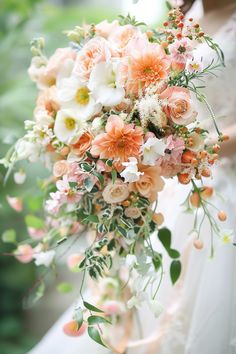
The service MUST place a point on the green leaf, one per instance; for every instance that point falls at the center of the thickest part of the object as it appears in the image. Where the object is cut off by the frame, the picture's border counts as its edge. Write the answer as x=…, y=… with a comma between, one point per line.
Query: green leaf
x=34, y=203
x=113, y=176
x=173, y=253
x=64, y=288
x=34, y=221
x=122, y=231
x=78, y=316
x=99, y=177
x=91, y=307
x=109, y=163
x=92, y=218
x=175, y=270
x=164, y=236
x=9, y=236
x=86, y=167
x=88, y=183
x=95, y=335
x=92, y=320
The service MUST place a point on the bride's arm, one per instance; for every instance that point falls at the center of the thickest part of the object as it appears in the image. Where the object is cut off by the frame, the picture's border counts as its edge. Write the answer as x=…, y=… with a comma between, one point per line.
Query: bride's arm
x=228, y=148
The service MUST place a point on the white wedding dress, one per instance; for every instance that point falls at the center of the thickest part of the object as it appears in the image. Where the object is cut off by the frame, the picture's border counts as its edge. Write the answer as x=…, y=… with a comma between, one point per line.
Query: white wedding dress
x=200, y=311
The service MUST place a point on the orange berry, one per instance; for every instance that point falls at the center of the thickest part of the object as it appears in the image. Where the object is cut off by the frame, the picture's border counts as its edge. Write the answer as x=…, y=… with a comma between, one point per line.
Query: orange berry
x=206, y=192
x=65, y=151
x=188, y=156
x=222, y=215
x=71, y=329
x=198, y=244
x=203, y=154
x=190, y=19
x=206, y=172
x=165, y=23
x=181, y=25
x=164, y=44
x=158, y=218
x=225, y=137
x=201, y=34
x=195, y=199
x=184, y=178
x=149, y=34
x=126, y=203
x=216, y=148
x=178, y=35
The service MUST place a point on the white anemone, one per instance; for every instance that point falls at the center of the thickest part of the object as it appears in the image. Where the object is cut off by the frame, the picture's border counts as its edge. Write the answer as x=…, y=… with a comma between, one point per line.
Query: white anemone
x=74, y=94
x=68, y=124
x=152, y=150
x=105, y=84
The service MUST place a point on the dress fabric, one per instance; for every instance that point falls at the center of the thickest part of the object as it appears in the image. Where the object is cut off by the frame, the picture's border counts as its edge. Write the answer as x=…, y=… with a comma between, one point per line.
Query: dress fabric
x=200, y=311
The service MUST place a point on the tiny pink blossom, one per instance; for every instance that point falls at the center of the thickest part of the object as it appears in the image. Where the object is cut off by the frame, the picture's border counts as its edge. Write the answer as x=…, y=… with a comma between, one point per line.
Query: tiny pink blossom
x=24, y=253
x=15, y=203
x=36, y=234
x=181, y=50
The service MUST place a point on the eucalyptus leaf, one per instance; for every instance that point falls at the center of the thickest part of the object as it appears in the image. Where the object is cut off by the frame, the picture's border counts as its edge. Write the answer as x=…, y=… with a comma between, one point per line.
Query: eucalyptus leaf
x=175, y=270
x=91, y=307
x=92, y=320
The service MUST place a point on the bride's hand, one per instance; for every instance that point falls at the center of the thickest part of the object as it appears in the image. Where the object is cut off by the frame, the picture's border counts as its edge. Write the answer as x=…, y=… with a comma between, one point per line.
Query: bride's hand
x=228, y=148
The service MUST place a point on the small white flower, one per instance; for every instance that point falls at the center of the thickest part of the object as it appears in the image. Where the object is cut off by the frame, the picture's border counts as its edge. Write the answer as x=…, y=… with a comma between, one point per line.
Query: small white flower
x=68, y=124
x=97, y=125
x=136, y=300
x=130, y=260
x=74, y=94
x=19, y=177
x=44, y=258
x=152, y=150
x=43, y=118
x=27, y=150
x=156, y=307
x=131, y=173
x=105, y=84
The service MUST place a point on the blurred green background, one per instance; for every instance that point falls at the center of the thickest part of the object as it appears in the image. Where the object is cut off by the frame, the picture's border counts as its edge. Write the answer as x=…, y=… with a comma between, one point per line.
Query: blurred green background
x=20, y=21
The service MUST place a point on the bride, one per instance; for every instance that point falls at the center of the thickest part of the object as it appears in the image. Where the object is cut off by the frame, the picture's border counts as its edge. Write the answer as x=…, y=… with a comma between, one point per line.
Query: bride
x=199, y=313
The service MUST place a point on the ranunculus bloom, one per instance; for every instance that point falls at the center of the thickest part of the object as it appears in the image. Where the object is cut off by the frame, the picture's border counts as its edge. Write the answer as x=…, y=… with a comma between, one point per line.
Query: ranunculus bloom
x=104, y=28
x=82, y=144
x=115, y=192
x=132, y=212
x=94, y=51
x=178, y=105
x=147, y=64
x=149, y=183
x=121, y=36
x=120, y=141
x=60, y=168
x=15, y=203
x=24, y=253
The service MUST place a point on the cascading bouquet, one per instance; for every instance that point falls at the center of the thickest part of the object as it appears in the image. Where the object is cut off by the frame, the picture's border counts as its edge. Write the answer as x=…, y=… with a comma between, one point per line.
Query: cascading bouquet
x=114, y=118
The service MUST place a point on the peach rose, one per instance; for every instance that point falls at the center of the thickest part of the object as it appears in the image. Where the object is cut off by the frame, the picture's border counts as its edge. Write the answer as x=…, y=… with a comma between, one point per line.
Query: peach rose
x=46, y=106
x=104, y=28
x=60, y=168
x=82, y=144
x=115, y=192
x=178, y=105
x=56, y=61
x=94, y=51
x=149, y=183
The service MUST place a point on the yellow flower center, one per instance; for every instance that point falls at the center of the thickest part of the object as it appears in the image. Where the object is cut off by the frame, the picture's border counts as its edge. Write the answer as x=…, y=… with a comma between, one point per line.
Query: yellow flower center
x=82, y=96
x=70, y=123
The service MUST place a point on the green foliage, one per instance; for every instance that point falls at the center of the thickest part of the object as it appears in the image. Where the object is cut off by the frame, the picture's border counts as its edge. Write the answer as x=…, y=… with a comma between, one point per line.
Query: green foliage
x=175, y=270
x=95, y=335
x=9, y=236
x=64, y=288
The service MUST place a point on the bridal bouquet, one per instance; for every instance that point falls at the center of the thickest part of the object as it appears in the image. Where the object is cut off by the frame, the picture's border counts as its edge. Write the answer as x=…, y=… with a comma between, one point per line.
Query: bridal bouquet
x=114, y=118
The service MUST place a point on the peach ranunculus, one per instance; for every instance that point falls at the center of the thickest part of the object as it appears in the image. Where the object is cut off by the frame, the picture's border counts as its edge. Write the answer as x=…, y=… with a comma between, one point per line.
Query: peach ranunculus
x=95, y=51
x=150, y=183
x=44, y=72
x=115, y=192
x=146, y=64
x=46, y=106
x=60, y=168
x=104, y=28
x=82, y=144
x=178, y=105
x=120, y=37
x=120, y=141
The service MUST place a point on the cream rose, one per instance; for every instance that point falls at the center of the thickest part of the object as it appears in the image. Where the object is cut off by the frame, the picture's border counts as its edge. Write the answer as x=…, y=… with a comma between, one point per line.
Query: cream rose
x=115, y=193
x=132, y=212
x=60, y=168
x=178, y=105
x=149, y=183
